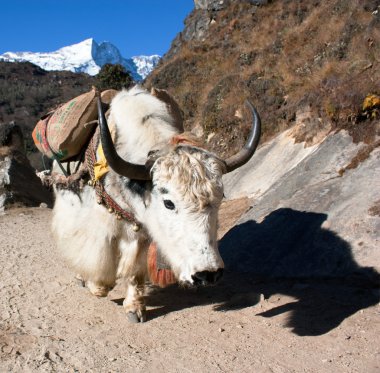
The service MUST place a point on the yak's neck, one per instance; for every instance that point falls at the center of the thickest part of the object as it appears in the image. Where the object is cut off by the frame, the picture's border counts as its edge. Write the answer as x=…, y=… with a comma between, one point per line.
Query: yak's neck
x=130, y=195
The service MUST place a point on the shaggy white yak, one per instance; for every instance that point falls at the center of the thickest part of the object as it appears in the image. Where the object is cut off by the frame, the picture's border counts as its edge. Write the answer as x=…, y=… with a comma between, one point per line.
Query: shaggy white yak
x=174, y=198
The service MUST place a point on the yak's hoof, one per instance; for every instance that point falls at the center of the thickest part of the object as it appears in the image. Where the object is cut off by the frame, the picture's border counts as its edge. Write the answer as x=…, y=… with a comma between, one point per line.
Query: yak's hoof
x=80, y=281
x=97, y=290
x=136, y=317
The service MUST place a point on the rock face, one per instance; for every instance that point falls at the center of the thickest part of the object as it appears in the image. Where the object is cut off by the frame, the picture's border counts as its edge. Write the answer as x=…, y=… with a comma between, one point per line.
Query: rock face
x=19, y=184
x=221, y=4
x=197, y=24
x=211, y=4
x=196, y=27
x=315, y=210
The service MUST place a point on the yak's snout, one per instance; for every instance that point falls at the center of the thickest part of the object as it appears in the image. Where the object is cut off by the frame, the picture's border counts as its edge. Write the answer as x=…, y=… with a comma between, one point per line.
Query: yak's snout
x=207, y=277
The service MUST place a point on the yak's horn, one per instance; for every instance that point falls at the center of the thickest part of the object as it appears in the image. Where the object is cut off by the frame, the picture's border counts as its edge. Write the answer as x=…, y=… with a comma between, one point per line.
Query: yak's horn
x=119, y=165
x=250, y=146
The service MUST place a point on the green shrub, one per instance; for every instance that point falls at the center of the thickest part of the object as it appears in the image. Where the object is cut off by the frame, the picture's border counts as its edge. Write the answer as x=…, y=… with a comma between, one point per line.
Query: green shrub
x=113, y=77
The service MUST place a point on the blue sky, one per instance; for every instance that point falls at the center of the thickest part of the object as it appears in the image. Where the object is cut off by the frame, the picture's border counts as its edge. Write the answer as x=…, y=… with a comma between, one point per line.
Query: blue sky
x=136, y=27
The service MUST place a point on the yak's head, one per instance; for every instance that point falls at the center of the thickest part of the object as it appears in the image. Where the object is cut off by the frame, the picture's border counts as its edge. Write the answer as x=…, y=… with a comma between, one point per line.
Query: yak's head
x=183, y=201
x=182, y=212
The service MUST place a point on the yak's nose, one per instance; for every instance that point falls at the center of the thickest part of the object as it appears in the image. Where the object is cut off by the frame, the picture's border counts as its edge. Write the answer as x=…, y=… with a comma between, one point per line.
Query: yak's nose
x=207, y=277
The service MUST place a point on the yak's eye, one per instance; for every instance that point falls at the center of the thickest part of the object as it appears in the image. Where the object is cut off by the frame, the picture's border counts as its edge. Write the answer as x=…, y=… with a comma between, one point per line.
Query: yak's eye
x=169, y=204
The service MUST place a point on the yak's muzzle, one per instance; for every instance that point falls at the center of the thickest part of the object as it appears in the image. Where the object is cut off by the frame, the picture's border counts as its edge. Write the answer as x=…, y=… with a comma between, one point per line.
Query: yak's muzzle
x=207, y=277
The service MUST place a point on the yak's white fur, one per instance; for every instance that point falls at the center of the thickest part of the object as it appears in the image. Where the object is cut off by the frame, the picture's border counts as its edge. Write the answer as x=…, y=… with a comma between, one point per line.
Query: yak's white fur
x=101, y=248
x=142, y=121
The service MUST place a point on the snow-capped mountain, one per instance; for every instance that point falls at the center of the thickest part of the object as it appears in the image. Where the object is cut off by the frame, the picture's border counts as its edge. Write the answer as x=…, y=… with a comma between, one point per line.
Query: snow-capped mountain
x=88, y=57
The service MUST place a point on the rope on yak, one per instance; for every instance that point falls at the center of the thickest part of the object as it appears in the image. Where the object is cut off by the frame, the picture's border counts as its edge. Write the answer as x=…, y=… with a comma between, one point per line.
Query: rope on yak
x=102, y=196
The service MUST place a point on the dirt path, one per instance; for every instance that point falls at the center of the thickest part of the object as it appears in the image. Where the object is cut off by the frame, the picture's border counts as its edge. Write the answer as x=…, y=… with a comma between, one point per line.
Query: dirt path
x=49, y=323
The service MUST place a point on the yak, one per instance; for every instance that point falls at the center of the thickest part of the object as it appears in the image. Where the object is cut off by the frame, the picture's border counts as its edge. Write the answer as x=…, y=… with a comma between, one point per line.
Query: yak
x=158, y=187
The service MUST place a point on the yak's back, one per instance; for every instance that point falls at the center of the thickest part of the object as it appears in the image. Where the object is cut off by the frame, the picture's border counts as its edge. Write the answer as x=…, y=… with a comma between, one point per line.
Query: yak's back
x=141, y=121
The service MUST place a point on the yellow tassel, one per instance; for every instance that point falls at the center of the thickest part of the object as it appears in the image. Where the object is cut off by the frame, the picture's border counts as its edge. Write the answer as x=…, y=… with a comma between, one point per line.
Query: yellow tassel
x=101, y=165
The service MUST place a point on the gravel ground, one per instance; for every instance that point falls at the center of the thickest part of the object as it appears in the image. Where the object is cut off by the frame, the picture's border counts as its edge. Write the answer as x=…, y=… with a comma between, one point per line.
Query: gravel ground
x=50, y=324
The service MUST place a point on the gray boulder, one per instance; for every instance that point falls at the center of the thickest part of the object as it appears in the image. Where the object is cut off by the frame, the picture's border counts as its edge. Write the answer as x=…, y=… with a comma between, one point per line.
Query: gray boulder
x=215, y=5
x=19, y=184
x=314, y=211
x=211, y=4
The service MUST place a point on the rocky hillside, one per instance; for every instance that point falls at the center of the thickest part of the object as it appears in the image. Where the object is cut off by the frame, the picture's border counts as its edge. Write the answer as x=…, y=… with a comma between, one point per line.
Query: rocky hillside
x=27, y=92
x=311, y=62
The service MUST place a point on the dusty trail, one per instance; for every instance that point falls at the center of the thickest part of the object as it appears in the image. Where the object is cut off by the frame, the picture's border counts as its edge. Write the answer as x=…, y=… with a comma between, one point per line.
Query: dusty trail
x=49, y=323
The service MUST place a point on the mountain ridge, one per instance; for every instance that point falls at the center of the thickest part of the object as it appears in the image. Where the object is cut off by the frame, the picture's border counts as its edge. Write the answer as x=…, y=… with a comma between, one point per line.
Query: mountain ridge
x=87, y=56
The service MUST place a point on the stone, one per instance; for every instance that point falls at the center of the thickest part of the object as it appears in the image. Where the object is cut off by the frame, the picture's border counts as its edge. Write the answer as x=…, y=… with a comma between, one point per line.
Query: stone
x=19, y=184
x=305, y=218
x=211, y=4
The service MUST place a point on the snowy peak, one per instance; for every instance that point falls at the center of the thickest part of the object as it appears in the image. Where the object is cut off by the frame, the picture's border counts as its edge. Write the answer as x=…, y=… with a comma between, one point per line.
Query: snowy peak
x=82, y=50
x=145, y=64
x=88, y=57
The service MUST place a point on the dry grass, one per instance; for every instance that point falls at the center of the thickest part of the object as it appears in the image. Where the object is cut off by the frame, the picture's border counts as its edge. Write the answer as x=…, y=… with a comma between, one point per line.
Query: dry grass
x=282, y=56
x=360, y=157
x=375, y=209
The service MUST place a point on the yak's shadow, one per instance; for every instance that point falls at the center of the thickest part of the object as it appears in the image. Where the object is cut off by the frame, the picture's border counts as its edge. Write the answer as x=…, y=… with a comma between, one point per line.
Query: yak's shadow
x=288, y=253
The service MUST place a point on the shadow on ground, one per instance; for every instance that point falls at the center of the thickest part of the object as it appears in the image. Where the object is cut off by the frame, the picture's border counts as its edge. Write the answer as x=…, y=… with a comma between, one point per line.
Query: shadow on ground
x=289, y=253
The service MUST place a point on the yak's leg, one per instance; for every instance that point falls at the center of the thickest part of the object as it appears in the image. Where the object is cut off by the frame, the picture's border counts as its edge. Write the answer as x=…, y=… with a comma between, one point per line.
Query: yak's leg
x=134, y=302
x=86, y=236
x=132, y=269
x=81, y=281
x=98, y=289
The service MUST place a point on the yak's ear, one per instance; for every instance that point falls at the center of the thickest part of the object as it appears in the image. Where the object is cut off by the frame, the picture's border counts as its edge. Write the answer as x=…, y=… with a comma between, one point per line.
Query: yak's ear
x=152, y=157
x=152, y=153
x=172, y=106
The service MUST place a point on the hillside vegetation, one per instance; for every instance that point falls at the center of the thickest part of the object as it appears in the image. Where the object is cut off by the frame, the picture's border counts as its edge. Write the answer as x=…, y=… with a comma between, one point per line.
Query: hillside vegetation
x=292, y=59
x=27, y=92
